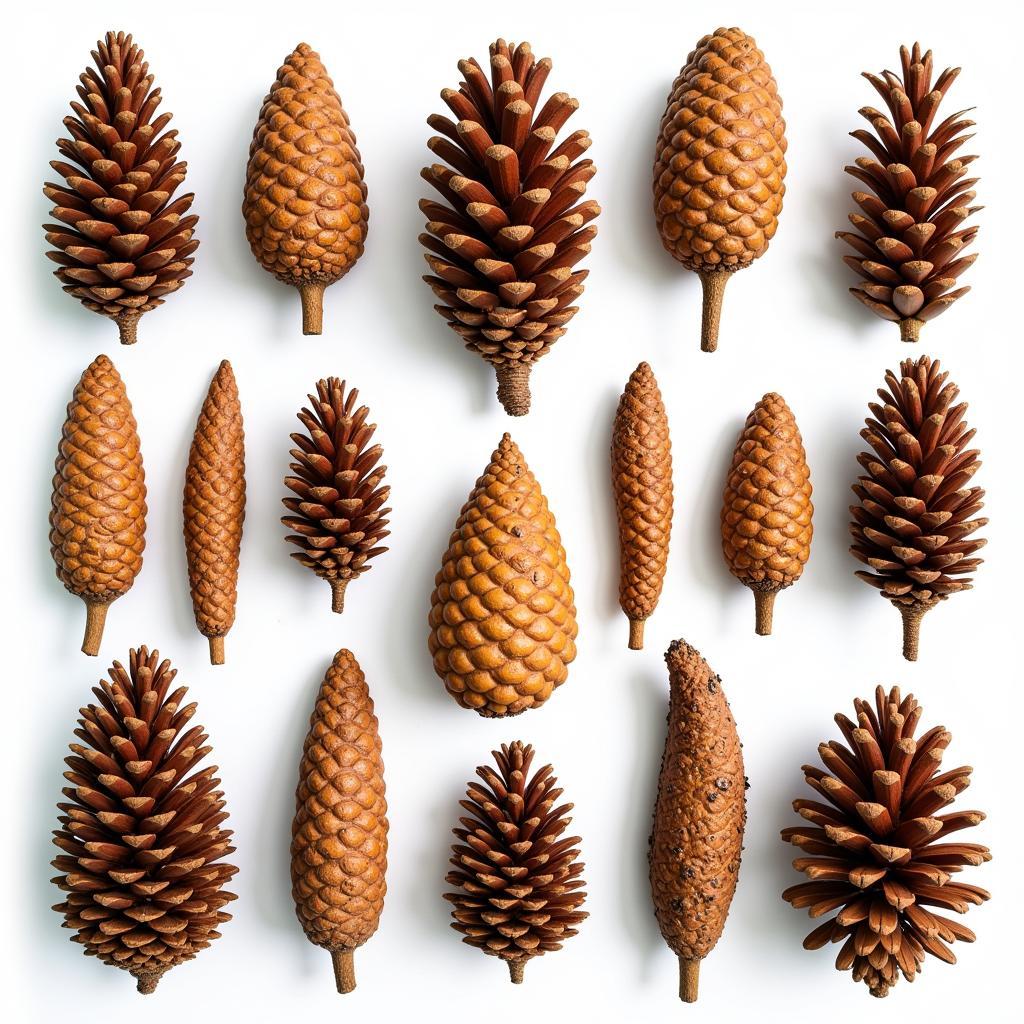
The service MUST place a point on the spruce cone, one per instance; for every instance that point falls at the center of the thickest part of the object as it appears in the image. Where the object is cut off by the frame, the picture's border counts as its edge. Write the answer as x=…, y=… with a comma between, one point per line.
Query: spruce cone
x=123, y=241
x=876, y=852
x=338, y=519
x=697, y=837
x=305, y=199
x=766, y=508
x=518, y=885
x=141, y=831
x=340, y=831
x=642, y=480
x=719, y=165
x=910, y=231
x=214, y=510
x=502, y=617
x=916, y=514
x=502, y=244
x=98, y=508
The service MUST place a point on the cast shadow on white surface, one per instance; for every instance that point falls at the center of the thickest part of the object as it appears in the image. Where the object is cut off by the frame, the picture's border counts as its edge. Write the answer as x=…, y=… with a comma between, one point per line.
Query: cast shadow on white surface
x=605, y=534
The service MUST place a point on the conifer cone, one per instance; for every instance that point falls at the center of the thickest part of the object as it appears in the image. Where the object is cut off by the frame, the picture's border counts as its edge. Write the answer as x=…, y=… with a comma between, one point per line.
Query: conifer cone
x=340, y=831
x=910, y=232
x=642, y=480
x=337, y=515
x=214, y=510
x=719, y=165
x=766, y=508
x=123, y=242
x=98, y=508
x=913, y=524
x=699, y=817
x=141, y=831
x=305, y=199
x=513, y=222
x=518, y=882
x=878, y=851
x=502, y=616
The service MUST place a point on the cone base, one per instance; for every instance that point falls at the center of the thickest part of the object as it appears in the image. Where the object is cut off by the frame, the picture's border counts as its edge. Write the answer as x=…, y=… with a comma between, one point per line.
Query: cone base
x=912, y=615
x=127, y=325
x=910, y=329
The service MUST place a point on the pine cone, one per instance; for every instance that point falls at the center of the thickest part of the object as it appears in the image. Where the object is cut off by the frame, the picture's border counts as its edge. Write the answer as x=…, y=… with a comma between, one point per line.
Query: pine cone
x=502, y=245
x=518, y=884
x=914, y=520
x=340, y=831
x=642, y=480
x=909, y=234
x=875, y=852
x=502, y=617
x=719, y=165
x=699, y=817
x=214, y=510
x=98, y=508
x=305, y=199
x=338, y=518
x=766, y=508
x=123, y=241
x=141, y=831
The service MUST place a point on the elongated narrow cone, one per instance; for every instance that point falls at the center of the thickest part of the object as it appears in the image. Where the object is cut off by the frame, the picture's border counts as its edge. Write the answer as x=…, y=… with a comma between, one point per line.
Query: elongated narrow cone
x=344, y=962
x=514, y=387
x=713, y=292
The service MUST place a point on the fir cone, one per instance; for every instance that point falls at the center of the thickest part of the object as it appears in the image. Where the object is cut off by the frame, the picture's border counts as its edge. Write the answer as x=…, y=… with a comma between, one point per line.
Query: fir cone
x=642, y=480
x=518, y=882
x=766, y=508
x=98, y=508
x=123, y=242
x=913, y=524
x=305, y=199
x=513, y=223
x=141, y=833
x=719, y=165
x=214, y=510
x=877, y=851
x=337, y=515
x=502, y=617
x=909, y=234
x=340, y=831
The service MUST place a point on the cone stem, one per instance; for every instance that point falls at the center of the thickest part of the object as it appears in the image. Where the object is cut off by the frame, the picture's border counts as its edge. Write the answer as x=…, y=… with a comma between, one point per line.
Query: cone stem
x=312, y=295
x=216, y=650
x=344, y=969
x=689, y=976
x=338, y=595
x=126, y=327
x=912, y=616
x=95, y=617
x=515, y=971
x=910, y=329
x=636, y=634
x=764, y=605
x=514, y=388
x=713, y=284
x=147, y=983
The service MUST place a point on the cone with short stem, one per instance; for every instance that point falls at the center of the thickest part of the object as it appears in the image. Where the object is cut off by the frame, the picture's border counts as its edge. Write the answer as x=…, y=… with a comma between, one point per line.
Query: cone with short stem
x=713, y=287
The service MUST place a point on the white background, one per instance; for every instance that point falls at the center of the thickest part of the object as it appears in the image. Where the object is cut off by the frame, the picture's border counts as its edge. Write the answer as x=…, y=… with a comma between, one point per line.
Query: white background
x=789, y=325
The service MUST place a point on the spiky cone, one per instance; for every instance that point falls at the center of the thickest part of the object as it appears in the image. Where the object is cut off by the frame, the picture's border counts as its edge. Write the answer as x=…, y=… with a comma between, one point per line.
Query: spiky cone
x=340, y=832
x=98, y=506
x=699, y=816
x=766, y=508
x=502, y=614
x=337, y=514
x=642, y=482
x=305, y=198
x=214, y=510
x=123, y=242
x=915, y=515
x=141, y=830
x=719, y=165
x=513, y=221
x=909, y=234
x=517, y=878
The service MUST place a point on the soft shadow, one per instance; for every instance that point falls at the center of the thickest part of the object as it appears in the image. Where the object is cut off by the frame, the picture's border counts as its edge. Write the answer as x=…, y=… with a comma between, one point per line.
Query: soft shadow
x=602, y=503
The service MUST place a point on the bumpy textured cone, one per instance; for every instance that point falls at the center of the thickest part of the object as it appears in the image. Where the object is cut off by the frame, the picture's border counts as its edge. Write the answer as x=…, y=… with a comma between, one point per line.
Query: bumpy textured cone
x=141, y=830
x=877, y=853
x=502, y=616
x=699, y=817
x=766, y=508
x=340, y=831
x=517, y=877
x=98, y=508
x=305, y=199
x=910, y=229
x=123, y=241
x=642, y=481
x=719, y=165
x=916, y=513
x=512, y=223
x=214, y=510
